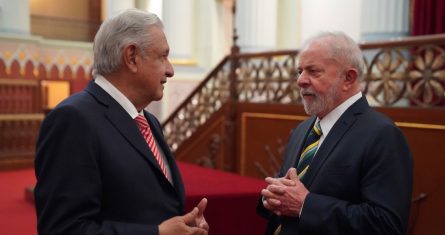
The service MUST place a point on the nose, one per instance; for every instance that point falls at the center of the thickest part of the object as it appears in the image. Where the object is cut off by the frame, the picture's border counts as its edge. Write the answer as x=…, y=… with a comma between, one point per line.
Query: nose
x=302, y=80
x=169, y=72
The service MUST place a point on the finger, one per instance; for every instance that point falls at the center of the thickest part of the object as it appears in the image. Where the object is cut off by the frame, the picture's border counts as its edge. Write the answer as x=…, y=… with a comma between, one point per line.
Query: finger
x=204, y=225
x=190, y=217
x=266, y=193
x=292, y=174
x=271, y=180
x=266, y=205
x=202, y=207
x=275, y=181
x=287, y=182
x=280, y=181
x=273, y=202
x=280, y=190
x=196, y=230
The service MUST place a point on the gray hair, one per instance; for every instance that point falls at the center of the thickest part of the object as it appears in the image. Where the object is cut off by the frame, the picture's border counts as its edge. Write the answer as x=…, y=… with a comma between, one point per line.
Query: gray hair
x=343, y=49
x=125, y=28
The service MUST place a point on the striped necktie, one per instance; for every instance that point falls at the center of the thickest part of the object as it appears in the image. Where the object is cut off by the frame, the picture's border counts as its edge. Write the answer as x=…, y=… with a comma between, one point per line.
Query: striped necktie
x=310, y=147
x=148, y=136
x=309, y=150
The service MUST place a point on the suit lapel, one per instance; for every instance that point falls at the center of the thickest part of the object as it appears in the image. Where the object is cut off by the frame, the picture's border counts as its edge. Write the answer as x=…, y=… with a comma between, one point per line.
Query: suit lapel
x=337, y=132
x=123, y=123
x=176, y=176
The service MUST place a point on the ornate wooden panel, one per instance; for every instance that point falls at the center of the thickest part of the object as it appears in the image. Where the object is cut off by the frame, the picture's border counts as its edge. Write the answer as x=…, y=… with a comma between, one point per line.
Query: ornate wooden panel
x=18, y=134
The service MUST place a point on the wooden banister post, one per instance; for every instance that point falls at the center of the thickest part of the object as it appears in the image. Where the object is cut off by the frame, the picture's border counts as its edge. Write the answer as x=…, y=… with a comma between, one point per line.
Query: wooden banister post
x=231, y=162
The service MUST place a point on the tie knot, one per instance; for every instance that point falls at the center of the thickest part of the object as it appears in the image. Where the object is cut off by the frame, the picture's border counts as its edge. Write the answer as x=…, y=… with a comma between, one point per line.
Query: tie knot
x=317, y=128
x=141, y=121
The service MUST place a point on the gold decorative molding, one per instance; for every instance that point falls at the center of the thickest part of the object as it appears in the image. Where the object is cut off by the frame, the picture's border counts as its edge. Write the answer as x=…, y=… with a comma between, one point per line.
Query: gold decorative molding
x=21, y=117
x=24, y=82
x=420, y=125
x=184, y=62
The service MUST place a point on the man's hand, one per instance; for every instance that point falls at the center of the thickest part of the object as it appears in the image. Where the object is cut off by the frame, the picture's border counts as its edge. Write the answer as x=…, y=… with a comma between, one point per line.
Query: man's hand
x=285, y=196
x=200, y=220
x=192, y=223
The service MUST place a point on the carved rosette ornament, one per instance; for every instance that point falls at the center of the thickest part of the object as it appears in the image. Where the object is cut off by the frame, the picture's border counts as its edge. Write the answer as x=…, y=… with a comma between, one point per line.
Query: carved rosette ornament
x=427, y=77
x=386, y=76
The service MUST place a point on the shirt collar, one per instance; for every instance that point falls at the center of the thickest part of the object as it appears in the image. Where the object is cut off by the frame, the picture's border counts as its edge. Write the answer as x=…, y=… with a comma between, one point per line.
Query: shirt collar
x=117, y=95
x=332, y=117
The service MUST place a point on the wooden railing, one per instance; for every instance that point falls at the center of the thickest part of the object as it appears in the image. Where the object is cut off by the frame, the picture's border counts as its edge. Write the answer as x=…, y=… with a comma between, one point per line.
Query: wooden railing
x=409, y=71
x=196, y=109
x=403, y=72
x=20, y=118
x=18, y=133
x=19, y=96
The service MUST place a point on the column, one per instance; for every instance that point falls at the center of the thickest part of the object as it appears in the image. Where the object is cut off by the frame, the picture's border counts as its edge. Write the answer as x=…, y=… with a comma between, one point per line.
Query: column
x=15, y=17
x=383, y=19
x=113, y=6
x=332, y=15
x=288, y=25
x=177, y=18
x=227, y=21
x=256, y=24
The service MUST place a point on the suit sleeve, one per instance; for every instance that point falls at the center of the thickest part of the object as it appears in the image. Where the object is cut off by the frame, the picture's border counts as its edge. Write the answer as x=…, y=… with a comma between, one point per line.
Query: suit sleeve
x=385, y=188
x=68, y=192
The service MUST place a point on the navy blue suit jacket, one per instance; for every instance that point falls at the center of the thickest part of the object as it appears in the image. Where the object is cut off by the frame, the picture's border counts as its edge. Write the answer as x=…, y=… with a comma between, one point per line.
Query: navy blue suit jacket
x=360, y=180
x=96, y=174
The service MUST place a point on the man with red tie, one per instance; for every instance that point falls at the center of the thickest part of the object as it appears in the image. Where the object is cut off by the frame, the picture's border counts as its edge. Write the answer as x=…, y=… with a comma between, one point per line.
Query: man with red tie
x=102, y=164
x=347, y=169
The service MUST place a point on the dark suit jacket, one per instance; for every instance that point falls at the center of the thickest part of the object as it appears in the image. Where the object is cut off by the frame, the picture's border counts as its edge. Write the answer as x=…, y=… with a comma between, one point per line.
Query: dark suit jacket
x=360, y=180
x=96, y=174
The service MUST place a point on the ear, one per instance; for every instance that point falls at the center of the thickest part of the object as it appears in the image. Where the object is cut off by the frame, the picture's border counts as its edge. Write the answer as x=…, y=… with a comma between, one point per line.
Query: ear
x=351, y=76
x=129, y=54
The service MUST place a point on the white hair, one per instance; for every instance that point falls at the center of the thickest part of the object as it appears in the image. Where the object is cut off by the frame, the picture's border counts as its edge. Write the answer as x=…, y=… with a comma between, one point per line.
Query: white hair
x=342, y=47
x=128, y=27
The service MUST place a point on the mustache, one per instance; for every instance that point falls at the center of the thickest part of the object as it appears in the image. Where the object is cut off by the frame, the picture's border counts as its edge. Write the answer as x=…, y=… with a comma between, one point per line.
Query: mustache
x=308, y=91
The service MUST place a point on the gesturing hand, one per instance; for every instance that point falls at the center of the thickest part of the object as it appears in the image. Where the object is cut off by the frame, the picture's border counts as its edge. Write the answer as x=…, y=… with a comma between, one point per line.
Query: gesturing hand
x=192, y=223
x=200, y=220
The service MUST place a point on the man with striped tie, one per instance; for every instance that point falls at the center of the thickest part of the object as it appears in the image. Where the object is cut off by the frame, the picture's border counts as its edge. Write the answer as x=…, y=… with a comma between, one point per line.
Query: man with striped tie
x=347, y=169
x=102, y=164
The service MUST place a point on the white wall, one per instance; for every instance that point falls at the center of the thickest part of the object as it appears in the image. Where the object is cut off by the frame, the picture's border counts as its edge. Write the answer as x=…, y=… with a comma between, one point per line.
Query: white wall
x=15, y=17
x=331, y=15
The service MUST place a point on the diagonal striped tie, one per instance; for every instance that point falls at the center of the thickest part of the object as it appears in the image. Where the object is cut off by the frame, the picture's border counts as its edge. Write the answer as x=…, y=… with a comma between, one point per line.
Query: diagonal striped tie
x=309, y=150
x=310, y=147
x=148, y=136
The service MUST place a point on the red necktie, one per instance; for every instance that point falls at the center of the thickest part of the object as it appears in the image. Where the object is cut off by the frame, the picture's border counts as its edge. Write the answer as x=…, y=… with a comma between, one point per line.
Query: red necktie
x=148, y=136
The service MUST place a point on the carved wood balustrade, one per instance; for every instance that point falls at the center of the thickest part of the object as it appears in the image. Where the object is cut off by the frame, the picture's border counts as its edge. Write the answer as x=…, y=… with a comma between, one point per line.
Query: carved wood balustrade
x=18, y=134
x=205, y=100
x=402, y=72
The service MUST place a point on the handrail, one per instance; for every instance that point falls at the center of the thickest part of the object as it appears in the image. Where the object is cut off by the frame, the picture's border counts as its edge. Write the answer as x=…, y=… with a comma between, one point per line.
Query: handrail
x=197, y=89
x=405, y=41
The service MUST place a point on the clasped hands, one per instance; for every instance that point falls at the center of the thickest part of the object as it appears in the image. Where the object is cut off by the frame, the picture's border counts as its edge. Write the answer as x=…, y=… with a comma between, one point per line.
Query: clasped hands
x=285, y=196
x=189, y=224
